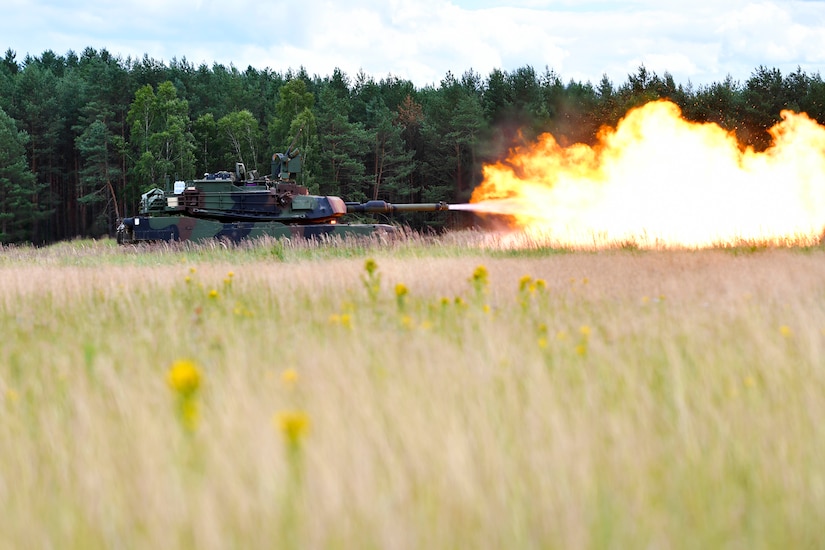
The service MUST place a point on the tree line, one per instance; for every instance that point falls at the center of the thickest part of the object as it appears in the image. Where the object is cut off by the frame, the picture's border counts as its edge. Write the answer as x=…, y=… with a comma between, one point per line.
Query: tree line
x=82, y=136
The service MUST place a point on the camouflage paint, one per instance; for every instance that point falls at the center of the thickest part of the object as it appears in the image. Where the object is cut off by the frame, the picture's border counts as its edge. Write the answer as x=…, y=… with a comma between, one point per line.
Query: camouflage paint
x=244, y=206
x=185, y=228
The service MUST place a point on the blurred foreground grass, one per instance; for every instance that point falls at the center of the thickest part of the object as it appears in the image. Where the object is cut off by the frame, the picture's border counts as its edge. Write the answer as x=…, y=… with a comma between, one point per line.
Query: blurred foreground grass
x=425, y=395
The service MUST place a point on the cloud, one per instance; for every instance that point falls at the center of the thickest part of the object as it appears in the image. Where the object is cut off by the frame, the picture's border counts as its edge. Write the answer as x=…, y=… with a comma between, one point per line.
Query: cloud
x=702, y=41
x=771, y=33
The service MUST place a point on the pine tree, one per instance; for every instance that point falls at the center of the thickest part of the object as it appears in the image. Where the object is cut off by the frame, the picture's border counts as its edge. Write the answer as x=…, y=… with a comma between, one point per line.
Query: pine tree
x=98, y=175
x=18, y=186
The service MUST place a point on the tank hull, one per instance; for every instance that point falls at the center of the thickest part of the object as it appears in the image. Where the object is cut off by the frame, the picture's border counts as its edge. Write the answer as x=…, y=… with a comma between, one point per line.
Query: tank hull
x=186, y=228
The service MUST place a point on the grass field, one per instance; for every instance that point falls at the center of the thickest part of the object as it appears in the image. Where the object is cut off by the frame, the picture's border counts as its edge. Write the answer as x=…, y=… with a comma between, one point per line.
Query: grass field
x=427, y=394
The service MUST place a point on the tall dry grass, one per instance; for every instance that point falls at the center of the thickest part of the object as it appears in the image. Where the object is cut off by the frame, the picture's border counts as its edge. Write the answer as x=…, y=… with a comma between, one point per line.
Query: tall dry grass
x=617, y=399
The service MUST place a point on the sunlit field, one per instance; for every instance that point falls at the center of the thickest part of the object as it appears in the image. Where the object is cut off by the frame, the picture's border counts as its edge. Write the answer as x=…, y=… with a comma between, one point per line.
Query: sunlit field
x=435, y=393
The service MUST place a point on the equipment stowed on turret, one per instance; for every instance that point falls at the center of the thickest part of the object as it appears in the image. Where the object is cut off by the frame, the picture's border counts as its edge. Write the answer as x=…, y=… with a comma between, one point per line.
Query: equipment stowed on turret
x=241, y=204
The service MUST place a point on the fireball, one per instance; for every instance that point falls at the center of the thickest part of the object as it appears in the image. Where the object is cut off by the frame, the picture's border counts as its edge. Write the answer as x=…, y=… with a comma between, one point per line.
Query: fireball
x=658, y=180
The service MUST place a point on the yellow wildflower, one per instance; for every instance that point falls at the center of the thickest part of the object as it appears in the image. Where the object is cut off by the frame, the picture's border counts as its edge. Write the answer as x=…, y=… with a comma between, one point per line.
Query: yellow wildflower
x=479, y=280
x=184, y=377
x=293, y=424
x=372, y=280
x=213, y=293
x=401, y=292
x=344, y=320
x=785, y=331
x=289, y=377
x=480, y=276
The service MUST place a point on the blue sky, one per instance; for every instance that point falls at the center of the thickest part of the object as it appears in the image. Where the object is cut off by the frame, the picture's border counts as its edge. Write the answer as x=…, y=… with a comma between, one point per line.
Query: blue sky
x=701, y=41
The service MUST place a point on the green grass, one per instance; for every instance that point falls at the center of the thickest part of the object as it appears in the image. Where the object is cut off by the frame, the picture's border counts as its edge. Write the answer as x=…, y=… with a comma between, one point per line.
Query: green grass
x=629, y=399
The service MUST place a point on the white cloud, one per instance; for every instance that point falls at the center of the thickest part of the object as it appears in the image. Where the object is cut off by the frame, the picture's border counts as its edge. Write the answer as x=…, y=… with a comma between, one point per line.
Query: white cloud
x=702, y=41
x=772, y=33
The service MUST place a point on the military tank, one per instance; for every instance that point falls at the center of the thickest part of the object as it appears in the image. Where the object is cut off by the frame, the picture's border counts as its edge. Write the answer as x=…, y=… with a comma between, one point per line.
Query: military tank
x=241, y=205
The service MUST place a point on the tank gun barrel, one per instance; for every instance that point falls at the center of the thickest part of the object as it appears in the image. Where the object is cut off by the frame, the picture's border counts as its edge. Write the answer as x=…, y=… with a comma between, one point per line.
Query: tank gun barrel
x=383, y=207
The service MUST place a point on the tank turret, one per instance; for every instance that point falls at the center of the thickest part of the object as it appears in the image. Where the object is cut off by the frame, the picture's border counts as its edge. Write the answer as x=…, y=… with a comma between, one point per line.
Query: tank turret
x=241, y=204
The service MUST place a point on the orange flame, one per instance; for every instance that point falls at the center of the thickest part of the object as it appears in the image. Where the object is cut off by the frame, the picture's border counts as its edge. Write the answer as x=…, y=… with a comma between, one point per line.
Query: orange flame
x=658, y=180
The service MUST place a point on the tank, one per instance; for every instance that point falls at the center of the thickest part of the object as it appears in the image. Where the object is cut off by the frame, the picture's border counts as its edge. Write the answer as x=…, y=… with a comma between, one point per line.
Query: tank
x=241, y=205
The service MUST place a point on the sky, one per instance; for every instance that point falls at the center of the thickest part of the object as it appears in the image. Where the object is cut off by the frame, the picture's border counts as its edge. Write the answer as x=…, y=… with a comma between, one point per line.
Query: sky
x=697, y=42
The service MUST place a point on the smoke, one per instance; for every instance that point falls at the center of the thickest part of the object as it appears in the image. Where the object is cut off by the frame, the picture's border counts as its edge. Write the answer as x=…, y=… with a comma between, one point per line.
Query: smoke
x=495, y=206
